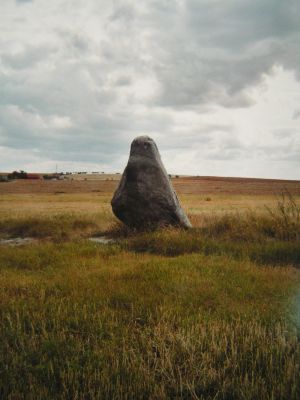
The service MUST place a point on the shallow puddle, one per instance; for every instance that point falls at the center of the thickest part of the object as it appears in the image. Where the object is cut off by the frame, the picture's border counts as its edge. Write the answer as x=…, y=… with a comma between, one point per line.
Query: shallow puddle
x=16, y=241
x=102, y=240
x=23, y=241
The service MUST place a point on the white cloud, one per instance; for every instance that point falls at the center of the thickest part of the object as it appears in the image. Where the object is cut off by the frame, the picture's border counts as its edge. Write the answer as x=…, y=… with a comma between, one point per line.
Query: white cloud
x=215, y=83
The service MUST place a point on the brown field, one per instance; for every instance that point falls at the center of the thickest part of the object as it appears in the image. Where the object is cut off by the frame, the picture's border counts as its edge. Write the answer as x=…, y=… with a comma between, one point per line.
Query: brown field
x=183, y=185
x=211, y=313
x=200, y=196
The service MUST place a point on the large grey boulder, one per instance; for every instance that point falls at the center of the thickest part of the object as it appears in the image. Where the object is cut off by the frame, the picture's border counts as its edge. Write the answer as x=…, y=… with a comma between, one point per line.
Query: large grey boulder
x=145, y=197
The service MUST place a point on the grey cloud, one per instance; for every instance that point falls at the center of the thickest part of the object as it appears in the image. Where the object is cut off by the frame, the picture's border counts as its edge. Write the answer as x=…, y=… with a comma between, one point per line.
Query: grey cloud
x=279, y=152
x=94, y=137
x=296, y=114
x=285, y=133
x=223, y=48
x=123, y=81
x=124, y=12
x=27, y=58
x=237, y=25
x=211, y=141
x=120, y=69
x=227, y=146
x=200, y=52
x=74, y=42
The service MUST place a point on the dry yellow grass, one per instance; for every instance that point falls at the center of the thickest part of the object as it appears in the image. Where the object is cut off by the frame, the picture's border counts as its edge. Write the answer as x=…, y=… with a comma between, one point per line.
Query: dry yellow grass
x=204, y=186
x=202, y=314
x=17, y=205
x=85, y=321
x=197, y=206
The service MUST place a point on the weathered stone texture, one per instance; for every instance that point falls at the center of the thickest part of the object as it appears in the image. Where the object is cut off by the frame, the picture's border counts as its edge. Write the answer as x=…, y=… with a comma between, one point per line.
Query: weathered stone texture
x=145, y=197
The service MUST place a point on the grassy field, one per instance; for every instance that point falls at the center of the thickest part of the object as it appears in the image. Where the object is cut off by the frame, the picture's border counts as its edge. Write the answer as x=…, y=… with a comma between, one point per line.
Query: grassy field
x=211, y=313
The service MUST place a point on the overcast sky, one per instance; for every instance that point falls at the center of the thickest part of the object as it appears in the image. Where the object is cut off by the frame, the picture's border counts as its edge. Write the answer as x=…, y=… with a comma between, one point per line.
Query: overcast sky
x=216, y=83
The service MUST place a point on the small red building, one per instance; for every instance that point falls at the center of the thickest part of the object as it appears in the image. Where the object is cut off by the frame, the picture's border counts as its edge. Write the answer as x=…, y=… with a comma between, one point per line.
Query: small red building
x=32, y=176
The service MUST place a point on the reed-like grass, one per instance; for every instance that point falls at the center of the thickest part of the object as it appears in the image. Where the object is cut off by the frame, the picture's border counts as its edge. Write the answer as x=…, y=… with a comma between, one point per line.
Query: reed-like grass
x=54, y=227
x=272, y=237
x=79, y=320
x=169, y=314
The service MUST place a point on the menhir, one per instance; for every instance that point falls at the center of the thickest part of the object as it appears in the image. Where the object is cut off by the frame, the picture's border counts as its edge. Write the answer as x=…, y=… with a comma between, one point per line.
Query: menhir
x=145, y=197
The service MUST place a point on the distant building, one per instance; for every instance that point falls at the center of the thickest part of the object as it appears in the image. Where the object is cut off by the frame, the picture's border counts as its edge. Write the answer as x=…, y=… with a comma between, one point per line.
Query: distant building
x=4, y=178
x=53, y=177
x=17, y=175
x=33, y=176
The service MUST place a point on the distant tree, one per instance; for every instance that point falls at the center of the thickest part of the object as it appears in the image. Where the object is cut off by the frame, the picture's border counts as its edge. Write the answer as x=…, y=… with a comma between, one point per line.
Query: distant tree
x=18, y=175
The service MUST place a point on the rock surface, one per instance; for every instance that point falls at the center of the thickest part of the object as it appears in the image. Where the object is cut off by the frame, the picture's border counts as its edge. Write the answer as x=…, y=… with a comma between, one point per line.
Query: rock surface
x=145, y=197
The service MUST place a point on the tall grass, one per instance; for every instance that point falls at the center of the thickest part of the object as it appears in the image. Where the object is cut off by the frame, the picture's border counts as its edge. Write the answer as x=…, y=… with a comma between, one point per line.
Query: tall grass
x=286, y=217
x=172, y=243
x=54, y=227
x=207, y=360
x=269, y=238
x=281, y=222
x=169, y=314
x=84, y=321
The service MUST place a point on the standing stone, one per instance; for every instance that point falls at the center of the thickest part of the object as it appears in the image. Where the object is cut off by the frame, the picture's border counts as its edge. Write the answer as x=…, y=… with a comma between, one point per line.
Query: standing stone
x=145, y=197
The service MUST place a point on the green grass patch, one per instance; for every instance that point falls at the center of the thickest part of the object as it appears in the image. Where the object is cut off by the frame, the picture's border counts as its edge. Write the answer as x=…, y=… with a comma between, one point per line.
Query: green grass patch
x=80, y=320
x=169, y=314
x=177, y=242
x=55, y=227
x=272, y=237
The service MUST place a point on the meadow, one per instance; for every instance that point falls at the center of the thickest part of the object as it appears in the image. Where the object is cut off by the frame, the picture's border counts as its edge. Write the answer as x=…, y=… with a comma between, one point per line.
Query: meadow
x=209, y=313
